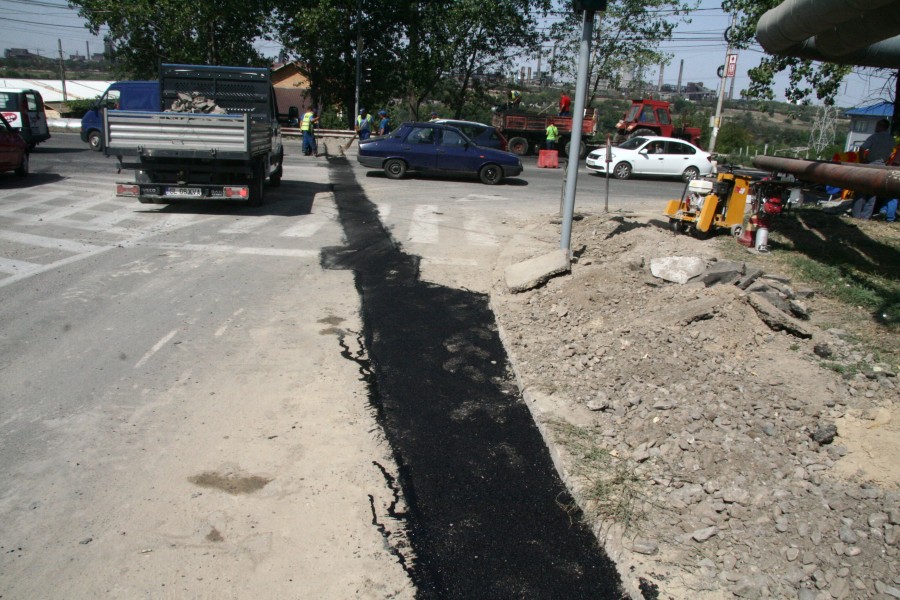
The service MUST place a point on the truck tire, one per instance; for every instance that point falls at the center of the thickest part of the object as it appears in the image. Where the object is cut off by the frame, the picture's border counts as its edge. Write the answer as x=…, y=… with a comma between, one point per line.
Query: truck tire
x=257, y=185
x=95, y=141
x=275, y=177
x=582, y=149
x=518, y=146
x=642, y=131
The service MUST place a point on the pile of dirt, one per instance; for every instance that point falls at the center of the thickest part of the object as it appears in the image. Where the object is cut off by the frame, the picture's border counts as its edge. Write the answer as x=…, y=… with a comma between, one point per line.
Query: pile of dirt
x=712, y=449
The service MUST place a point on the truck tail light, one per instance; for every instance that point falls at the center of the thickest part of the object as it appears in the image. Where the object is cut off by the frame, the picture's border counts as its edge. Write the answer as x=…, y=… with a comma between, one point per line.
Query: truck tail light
x=237, y=192
x=127, y=190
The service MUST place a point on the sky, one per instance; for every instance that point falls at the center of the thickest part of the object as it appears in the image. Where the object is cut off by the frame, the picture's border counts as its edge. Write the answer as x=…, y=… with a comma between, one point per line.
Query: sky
x=40, y=25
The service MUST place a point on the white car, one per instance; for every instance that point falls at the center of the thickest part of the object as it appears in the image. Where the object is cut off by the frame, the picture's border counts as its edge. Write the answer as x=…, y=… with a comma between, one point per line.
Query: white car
x=651, y=155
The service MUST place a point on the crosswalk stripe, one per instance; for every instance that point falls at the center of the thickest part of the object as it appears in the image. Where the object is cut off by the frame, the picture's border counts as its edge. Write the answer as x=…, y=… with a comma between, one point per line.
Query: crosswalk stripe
x=227, y=249
x=424, y=226
x=307, y=228
x=14, y=267
x=246, y=225
x=47, y=242
x=479, y=231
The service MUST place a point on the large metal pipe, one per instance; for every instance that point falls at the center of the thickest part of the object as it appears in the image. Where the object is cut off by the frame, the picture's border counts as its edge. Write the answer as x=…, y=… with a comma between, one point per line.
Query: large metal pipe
x=884, y=54
x=793, y=21
x=884, y=181
x=858, y=32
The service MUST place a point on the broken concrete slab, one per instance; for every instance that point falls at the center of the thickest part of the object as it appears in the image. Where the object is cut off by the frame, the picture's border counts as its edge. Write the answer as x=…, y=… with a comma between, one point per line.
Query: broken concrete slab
x=751, y=276
x=536, y=271
x=775, y=318
x=695, y=310
x=722, y=271
x=677, y=269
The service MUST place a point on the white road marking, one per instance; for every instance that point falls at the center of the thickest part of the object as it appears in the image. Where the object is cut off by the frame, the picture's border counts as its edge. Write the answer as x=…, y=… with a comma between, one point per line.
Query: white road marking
x=47, y=242
x=156, y=347
x=246, y=225
x=424, y=226
x=14, y=267
x=221, y=330
x=307, y=228
x=384, y=210
x=226, y=249
x=479, y=232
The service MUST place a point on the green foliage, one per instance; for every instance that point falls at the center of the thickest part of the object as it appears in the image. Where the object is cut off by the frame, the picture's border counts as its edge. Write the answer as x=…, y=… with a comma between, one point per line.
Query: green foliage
x=146, y=33
x=77, y=108
x=732, y=137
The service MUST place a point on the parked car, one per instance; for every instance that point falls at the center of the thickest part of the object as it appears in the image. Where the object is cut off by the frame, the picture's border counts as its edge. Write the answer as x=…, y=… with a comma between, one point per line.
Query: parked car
x=436, y=148
x=13, y=150
x=653, y=155
x=487, y=136
x=24, y=110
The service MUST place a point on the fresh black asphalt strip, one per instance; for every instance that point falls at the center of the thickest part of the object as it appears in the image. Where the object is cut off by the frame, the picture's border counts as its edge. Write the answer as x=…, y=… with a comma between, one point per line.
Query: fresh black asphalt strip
x=484, y=500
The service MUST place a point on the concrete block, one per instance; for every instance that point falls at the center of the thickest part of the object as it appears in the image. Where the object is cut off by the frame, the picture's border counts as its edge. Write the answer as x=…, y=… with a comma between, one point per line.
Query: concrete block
x=536, y=271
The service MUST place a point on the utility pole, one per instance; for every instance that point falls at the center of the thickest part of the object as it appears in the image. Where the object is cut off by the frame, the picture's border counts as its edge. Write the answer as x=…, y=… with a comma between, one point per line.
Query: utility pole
x=718, y=118
x=587, y=31
x=680, y=71
x=358, y=56
x=62, y=70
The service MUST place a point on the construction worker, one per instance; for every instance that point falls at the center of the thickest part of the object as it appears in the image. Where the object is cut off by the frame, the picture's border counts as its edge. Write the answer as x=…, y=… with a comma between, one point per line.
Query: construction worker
x=565, y=105
x=364, y=124
x=307, y=127
x=384, y=125
x=552, y=136
x=515, y=98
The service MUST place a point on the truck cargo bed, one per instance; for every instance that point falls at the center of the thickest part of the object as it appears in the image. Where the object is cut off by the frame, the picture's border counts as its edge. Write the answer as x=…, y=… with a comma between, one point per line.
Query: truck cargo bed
x=185, y=135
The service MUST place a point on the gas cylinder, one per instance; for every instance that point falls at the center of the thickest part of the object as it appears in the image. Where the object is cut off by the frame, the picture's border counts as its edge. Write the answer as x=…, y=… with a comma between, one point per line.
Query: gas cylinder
x=762, y=238
x=749, y=229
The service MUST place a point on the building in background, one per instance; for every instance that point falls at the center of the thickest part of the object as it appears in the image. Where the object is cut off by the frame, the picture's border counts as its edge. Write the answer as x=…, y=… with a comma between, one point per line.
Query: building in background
x=862, y=122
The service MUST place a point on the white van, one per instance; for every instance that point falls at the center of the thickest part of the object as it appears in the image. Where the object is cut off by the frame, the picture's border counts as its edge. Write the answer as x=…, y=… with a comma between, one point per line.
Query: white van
x=24, y=111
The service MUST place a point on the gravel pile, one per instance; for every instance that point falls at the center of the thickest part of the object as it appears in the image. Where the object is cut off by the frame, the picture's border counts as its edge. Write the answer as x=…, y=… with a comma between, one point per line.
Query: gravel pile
x=749, y=459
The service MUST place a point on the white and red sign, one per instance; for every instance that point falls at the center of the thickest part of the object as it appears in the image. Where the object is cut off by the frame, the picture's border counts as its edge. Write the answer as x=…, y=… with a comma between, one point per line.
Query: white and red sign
x=731, y=68
x=11, y=118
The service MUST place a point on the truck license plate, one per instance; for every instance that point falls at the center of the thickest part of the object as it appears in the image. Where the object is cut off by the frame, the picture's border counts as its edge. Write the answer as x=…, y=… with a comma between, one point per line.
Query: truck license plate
x=183, y=191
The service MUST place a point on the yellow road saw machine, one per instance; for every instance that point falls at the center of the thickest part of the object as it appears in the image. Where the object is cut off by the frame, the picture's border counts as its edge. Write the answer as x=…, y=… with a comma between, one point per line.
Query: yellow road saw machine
x=732, y=201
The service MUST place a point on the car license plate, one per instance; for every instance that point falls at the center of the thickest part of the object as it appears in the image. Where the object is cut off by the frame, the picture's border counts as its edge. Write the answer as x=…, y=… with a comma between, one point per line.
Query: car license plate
x=183, y=191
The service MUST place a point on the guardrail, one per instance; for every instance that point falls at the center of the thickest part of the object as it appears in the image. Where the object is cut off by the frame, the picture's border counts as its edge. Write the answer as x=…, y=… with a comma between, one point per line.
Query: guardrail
x=331, y=133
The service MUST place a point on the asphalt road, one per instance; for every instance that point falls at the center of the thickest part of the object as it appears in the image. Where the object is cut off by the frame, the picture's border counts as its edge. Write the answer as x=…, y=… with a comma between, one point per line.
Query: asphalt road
x=189, y=396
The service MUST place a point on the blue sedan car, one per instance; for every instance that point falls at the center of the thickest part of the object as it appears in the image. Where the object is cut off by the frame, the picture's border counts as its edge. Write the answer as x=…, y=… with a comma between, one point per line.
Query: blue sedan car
x=436, y=148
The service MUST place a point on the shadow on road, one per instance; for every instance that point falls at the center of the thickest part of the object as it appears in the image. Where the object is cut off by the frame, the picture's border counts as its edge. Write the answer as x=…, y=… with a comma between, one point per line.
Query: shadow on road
x=291, y=199
x=12, y=182
x=484, y=500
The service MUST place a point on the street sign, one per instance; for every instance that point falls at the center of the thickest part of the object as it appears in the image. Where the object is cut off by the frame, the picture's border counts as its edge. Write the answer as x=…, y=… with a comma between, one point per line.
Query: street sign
x=732, y=65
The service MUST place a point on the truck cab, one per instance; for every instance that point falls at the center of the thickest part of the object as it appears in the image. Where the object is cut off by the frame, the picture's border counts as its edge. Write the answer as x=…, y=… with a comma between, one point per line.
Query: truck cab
x=142, y=96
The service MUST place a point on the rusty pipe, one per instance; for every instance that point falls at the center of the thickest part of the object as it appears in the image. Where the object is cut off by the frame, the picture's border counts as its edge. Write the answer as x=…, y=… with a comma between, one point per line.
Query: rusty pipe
x=867, y=179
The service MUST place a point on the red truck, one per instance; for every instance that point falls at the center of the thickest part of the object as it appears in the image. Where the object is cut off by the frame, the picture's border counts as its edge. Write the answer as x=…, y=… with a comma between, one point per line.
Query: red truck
x=652, y=117
x=527, y=132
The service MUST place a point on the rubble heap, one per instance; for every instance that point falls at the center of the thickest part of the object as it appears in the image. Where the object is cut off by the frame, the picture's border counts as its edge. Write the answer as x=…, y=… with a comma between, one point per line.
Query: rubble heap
x=755, y=469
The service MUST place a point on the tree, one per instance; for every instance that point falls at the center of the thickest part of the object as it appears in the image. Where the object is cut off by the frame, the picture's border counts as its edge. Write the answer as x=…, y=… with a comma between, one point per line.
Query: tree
x=451, y=42
x=626, y=37
x=325, y=36
x=146, y=33
x=426, y=51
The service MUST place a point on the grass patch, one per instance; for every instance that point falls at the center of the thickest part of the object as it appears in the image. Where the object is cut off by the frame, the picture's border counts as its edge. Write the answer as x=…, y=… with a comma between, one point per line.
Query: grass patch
x=609, y=489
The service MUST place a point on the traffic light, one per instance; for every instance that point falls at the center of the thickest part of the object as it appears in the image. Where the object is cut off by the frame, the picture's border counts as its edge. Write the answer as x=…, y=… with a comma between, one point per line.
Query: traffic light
x=593, y=5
